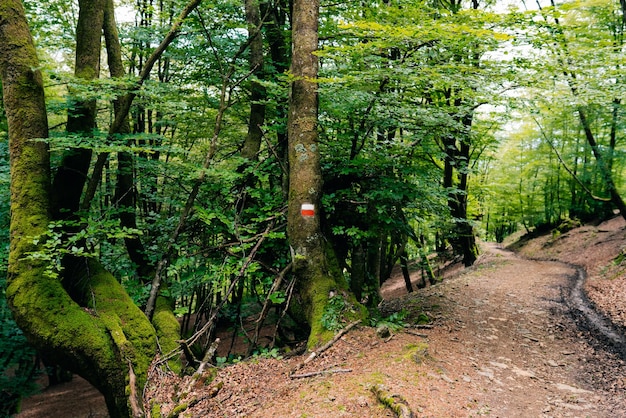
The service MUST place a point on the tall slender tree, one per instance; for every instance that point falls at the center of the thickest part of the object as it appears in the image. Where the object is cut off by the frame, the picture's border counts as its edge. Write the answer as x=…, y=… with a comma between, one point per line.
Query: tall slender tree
x=318, y=276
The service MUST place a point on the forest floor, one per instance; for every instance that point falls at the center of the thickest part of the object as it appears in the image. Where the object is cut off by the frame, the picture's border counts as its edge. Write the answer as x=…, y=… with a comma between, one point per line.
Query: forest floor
x=508, y=337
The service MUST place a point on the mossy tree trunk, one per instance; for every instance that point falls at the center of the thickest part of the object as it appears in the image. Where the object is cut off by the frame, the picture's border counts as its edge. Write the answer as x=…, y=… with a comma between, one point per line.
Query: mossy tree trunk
x=318, y=275
x=99, y=334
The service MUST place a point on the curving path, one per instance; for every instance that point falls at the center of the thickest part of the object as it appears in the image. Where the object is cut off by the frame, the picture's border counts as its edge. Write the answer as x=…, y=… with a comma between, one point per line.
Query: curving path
x=513, y=347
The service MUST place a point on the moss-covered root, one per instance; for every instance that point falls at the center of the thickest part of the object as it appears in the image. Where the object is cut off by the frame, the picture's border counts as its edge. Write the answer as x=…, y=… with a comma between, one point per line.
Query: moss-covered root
x=394, y=402
x=319, y=281
x=168, y=331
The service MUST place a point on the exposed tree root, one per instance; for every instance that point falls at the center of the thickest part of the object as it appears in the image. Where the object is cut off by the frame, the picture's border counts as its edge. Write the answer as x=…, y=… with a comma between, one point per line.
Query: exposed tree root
x=394, y=402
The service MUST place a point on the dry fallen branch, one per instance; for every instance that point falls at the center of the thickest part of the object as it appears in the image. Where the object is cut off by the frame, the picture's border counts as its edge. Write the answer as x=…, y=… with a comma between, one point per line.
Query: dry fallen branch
x=211, y=393
x=326, y=346
x=311, y=374
x=394, y=402
x=207, y=357
x=418, y=334
x=331, y=342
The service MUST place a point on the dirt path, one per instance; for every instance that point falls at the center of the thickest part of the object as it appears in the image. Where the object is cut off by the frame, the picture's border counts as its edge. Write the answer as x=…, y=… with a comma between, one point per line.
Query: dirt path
x=502, y=344
x=509, y=345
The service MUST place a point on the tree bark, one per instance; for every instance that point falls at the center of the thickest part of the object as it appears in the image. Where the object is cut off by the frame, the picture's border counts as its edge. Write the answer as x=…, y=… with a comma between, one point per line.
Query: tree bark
x=71, y=176
x=316, y=269
x=457, y=156
x=276, y=34
x=603, y=166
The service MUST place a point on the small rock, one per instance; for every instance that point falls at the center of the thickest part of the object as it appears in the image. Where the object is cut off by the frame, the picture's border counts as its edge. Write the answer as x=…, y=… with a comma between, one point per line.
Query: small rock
x=488, y=373
x=562, y=386
x=525, y=373
x=499, y=365
x=362, y=401
x=383, y=331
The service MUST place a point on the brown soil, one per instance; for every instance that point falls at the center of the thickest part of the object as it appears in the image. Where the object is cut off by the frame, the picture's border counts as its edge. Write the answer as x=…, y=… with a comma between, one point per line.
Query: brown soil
x=503, y=342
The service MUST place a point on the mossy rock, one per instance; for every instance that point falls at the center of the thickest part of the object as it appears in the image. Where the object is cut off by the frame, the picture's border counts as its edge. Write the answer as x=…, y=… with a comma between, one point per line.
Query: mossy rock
x=417, y=352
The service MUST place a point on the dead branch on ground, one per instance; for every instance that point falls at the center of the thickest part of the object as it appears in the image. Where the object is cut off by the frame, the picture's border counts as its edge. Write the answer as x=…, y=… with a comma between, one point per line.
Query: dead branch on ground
x=326, y=346
x=417, y=334
x=133, y=399
x=319, y=372
x=207, y=357
x=394, y=402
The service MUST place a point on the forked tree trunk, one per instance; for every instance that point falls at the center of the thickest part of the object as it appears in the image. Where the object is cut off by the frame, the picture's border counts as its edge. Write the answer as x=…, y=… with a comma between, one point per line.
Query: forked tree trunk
x=105, y=337
x=318, y=275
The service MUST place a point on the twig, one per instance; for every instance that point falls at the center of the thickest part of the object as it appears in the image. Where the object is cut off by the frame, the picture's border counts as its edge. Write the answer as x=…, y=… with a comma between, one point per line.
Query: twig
x=230, y=290
x=419, y=334
x=331, y=342
x=191, y=359
x=132, y=383
x=266, y=306
x=311, y=374
x=289, y=293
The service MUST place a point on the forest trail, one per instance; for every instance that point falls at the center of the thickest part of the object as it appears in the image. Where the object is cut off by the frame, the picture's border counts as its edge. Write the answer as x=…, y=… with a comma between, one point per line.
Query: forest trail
x=507, y=344
x=503, y=343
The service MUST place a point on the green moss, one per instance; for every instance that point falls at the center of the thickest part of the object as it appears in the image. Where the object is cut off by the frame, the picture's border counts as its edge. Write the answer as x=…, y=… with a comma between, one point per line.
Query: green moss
x=416, y=352
x=133, y=334
x=167, y=330
x=155, y=410
x=323, y=281
x=178, y=410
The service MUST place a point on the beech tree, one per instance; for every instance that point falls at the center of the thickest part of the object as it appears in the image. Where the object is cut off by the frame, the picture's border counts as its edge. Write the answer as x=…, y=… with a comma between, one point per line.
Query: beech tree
x=319, y=279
